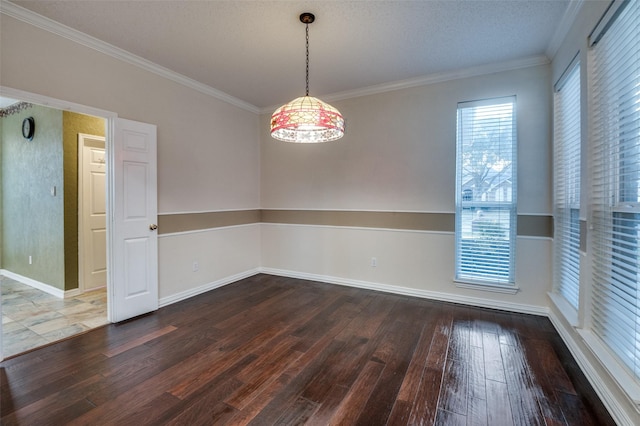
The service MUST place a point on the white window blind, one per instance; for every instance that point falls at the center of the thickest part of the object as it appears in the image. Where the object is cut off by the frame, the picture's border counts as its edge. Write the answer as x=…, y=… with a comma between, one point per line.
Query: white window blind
x=567, y=187
x=616, y=186
x=486, y=192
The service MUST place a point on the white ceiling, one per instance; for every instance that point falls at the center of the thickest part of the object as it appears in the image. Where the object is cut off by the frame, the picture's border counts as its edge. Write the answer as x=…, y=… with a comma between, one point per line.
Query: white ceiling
x=254, y=50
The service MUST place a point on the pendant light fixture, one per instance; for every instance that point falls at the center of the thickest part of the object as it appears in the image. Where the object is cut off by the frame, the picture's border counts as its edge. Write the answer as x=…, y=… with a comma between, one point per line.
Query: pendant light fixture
x=307, y=119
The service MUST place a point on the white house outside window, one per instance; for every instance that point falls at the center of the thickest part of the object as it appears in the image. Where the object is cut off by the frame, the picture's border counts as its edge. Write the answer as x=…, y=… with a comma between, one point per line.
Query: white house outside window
x=486, y=192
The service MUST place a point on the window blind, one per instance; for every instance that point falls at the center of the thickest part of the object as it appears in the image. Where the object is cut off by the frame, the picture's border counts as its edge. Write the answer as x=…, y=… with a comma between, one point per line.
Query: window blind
x=616, y=186
x=567, y=187
x=486, y=191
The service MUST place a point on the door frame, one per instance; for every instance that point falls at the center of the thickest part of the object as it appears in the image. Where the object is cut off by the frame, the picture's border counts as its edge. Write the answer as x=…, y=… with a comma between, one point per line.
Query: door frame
x=82, y=219
x=110, y=118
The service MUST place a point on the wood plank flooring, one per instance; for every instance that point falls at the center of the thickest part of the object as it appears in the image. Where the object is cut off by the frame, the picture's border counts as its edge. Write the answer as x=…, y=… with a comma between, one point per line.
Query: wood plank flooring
x=278, y=351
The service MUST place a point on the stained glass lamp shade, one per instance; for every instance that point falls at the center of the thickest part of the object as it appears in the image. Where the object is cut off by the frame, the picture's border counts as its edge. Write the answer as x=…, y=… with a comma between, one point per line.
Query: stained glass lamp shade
x=307, y=119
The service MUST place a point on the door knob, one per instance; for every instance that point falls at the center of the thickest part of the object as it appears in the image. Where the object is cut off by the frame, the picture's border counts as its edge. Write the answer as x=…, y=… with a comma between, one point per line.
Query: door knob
x=153, y=227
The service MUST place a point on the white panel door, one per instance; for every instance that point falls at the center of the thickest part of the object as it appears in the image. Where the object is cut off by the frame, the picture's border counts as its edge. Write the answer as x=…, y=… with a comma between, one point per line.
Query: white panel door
x=135, y=239
x=93, y=208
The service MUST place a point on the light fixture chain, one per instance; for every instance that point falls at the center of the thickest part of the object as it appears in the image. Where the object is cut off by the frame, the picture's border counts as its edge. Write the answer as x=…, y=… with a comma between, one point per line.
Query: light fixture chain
x=307, y=29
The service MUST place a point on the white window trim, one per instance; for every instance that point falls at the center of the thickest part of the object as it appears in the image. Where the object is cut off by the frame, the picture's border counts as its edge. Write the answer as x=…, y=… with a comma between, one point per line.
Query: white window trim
x=487, y=286
x=564, y=305
x=480, y=284
x=616, y=368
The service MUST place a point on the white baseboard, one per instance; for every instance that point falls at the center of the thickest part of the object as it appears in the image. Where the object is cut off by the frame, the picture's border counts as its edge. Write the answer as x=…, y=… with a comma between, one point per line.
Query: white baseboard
x=35, y=284
x=406, y=291
x=177, y=297
x=72, y=293
x=602, y=390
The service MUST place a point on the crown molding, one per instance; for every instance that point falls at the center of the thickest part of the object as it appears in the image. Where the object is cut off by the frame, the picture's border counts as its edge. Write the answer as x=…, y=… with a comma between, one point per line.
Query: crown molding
x=432, y=79
x=563, y=28
x=39, y=21
x=54, y=103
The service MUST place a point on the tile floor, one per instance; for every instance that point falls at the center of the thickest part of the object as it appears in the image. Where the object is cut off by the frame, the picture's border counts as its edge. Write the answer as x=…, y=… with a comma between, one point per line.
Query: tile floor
x=32, y=318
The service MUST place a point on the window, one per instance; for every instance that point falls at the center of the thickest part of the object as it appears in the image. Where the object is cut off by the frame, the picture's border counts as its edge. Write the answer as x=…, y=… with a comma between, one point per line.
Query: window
x=486, y=192
x=567, y=186
x=616, y=186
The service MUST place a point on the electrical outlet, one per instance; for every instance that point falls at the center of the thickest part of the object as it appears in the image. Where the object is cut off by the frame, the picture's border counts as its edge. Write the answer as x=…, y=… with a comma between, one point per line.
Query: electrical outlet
x=30, y=260
x=195, y=267
x=374, y=262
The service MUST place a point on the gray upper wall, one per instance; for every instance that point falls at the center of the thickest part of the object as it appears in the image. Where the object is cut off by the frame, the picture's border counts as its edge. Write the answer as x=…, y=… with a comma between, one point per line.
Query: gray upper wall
x=399, y=150
x=208, y=150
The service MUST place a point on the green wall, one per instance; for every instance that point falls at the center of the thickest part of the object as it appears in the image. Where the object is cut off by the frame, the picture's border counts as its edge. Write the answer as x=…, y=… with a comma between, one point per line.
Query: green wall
x=33, y=222
x=73, y=124
x=32, y=217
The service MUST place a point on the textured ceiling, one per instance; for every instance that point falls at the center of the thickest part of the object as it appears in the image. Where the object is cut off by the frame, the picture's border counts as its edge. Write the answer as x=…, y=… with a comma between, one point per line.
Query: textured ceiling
x=254, y=50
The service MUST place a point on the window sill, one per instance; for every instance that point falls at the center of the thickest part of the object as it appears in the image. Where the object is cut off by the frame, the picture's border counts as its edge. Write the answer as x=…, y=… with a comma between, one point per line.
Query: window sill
x=569, y=313
x=611, y=364
x=485, y=286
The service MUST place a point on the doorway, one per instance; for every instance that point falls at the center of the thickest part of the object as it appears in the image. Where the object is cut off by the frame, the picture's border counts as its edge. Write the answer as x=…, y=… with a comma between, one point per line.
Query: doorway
x=44, y=297
x=131, y=210
x=92, y=212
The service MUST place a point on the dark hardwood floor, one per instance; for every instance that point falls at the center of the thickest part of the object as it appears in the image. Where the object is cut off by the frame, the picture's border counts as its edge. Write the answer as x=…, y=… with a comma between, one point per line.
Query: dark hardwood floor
x=269, y=350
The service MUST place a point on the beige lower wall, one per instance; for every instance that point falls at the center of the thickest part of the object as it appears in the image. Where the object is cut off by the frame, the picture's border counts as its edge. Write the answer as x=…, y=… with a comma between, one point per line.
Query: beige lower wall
x=420, y=261
x=221, y=253
x=335, y=246
x=423, y=261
